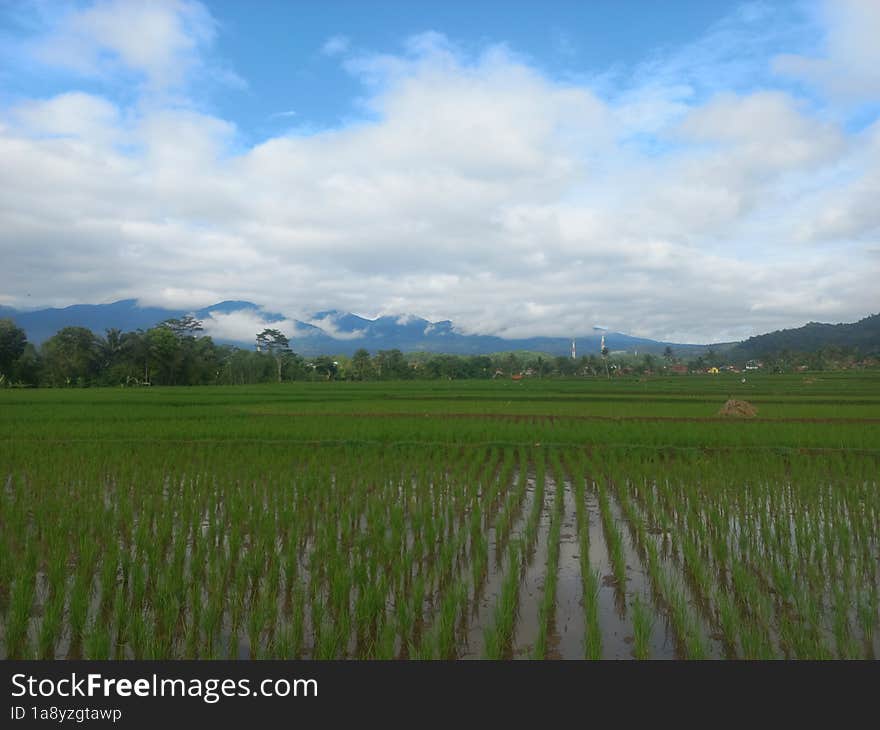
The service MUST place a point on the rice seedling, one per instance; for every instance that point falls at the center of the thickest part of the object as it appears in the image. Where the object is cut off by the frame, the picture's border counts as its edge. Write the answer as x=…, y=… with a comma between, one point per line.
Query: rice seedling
x=213, y=522
x=548, y=597
x=593, y=633
x=18, y=615
x=97, y=641
x=643, y=624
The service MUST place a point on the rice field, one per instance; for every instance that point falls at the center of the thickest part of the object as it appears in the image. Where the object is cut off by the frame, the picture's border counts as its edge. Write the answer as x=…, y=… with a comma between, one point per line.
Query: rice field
x=558, y=519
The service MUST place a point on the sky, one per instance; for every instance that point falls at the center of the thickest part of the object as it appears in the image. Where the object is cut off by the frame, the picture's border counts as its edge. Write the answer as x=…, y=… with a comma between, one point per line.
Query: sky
x=689, y=171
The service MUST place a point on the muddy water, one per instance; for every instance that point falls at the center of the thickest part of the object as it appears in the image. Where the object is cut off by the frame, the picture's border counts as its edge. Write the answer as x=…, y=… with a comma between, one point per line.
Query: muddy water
x=566, y=639
x=616, y=630
x=482, y=603
x=662, y=642
x=662, y=635
x=531, y=590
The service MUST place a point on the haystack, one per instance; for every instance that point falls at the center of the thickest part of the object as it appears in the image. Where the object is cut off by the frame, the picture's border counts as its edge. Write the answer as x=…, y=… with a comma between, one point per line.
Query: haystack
x=735, y=407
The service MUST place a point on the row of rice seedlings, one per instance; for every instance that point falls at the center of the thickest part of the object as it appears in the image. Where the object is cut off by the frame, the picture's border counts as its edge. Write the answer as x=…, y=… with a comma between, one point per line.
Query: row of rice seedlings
x=799, y=588
x=439, y=640
x=438, y=573
x=21, y=598
x=488, y=575
x=498, y=635
x=349, y=586
x=504, y=520
x=684, y=621
x=512, y=505
x=613, y=537
x=641, y=612
x=643, y=624
x=776, y=567
x=668, y=588
x=530, y=534
x=548, y=598
x=589, y=577
x=657, y=512
x=141, y=540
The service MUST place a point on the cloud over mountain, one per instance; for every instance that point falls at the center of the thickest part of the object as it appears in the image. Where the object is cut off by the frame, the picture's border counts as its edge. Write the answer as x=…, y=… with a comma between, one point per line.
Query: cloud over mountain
x=471, y=183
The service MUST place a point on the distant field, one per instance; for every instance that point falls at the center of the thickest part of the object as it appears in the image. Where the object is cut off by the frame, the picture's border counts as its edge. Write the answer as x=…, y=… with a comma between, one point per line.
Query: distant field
x=555, y=518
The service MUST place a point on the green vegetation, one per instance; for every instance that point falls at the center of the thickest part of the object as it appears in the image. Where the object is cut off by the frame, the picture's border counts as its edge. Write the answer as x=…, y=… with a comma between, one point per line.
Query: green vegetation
x=826, y=341
x=399, y=519
x=174, y=352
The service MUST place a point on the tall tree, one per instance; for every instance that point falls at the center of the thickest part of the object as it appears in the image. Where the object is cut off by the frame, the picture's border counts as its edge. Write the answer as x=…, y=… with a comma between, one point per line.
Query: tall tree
x=164, y=349
x=12, y=342
x=72, y=356
x=326, y=366
x=391, y=364
x=276, y=344
x=361, y=366
x=186, y=326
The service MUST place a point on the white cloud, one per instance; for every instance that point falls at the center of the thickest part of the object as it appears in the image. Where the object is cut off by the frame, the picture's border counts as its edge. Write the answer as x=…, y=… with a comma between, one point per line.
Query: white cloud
x=477, y=190
x=158, y=39
x=74, y=115
x=848, y=68
x=335, y=45
x=245, y=325
x=329, y=323
x=845, y=208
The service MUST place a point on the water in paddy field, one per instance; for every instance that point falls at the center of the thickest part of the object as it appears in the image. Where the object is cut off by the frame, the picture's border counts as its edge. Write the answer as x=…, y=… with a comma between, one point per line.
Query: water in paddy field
x=566, y=641
x=531, y=590
x=616, y=631
x=662, y=643
x=482, y=604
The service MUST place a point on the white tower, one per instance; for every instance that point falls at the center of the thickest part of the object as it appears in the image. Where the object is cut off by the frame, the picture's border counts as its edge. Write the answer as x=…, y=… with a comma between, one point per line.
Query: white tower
x=573, y=351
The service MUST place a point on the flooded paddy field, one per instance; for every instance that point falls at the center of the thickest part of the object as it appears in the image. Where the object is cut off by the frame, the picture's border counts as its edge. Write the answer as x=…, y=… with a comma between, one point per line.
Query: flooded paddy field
x=510, y=520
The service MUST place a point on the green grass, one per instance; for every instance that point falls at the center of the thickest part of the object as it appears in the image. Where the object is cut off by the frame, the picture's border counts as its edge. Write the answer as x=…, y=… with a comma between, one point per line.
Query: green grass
x=366, y=520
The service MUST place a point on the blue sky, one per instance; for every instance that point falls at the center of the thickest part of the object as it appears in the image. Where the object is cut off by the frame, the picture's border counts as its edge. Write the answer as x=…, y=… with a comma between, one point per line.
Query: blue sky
x=682, y=170
x=277, y=64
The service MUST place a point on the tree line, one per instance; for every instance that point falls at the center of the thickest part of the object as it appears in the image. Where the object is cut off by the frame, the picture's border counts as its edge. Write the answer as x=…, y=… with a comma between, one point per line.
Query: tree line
x=176, y=352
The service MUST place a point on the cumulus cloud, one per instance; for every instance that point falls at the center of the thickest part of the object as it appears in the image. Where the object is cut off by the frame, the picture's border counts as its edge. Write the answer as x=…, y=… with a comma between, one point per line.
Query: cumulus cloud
x=74, y=115
x=845, y=209
x=475, y=188
x=245, y=325
x=847, y=67
x=160, y=40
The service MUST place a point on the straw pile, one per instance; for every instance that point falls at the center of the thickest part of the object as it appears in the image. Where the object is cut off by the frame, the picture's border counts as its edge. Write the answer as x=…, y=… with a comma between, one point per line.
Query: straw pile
x=735, y=407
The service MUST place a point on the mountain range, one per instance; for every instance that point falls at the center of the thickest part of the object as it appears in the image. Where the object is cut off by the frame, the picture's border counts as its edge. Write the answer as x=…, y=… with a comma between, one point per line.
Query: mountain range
x=327, y=333
x=342, y=333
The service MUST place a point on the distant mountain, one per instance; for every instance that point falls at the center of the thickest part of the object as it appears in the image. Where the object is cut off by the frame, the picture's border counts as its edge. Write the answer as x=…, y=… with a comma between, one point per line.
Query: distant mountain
x=864, y=334
x=415, y=334
x=327, y=332
x=126, y=315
